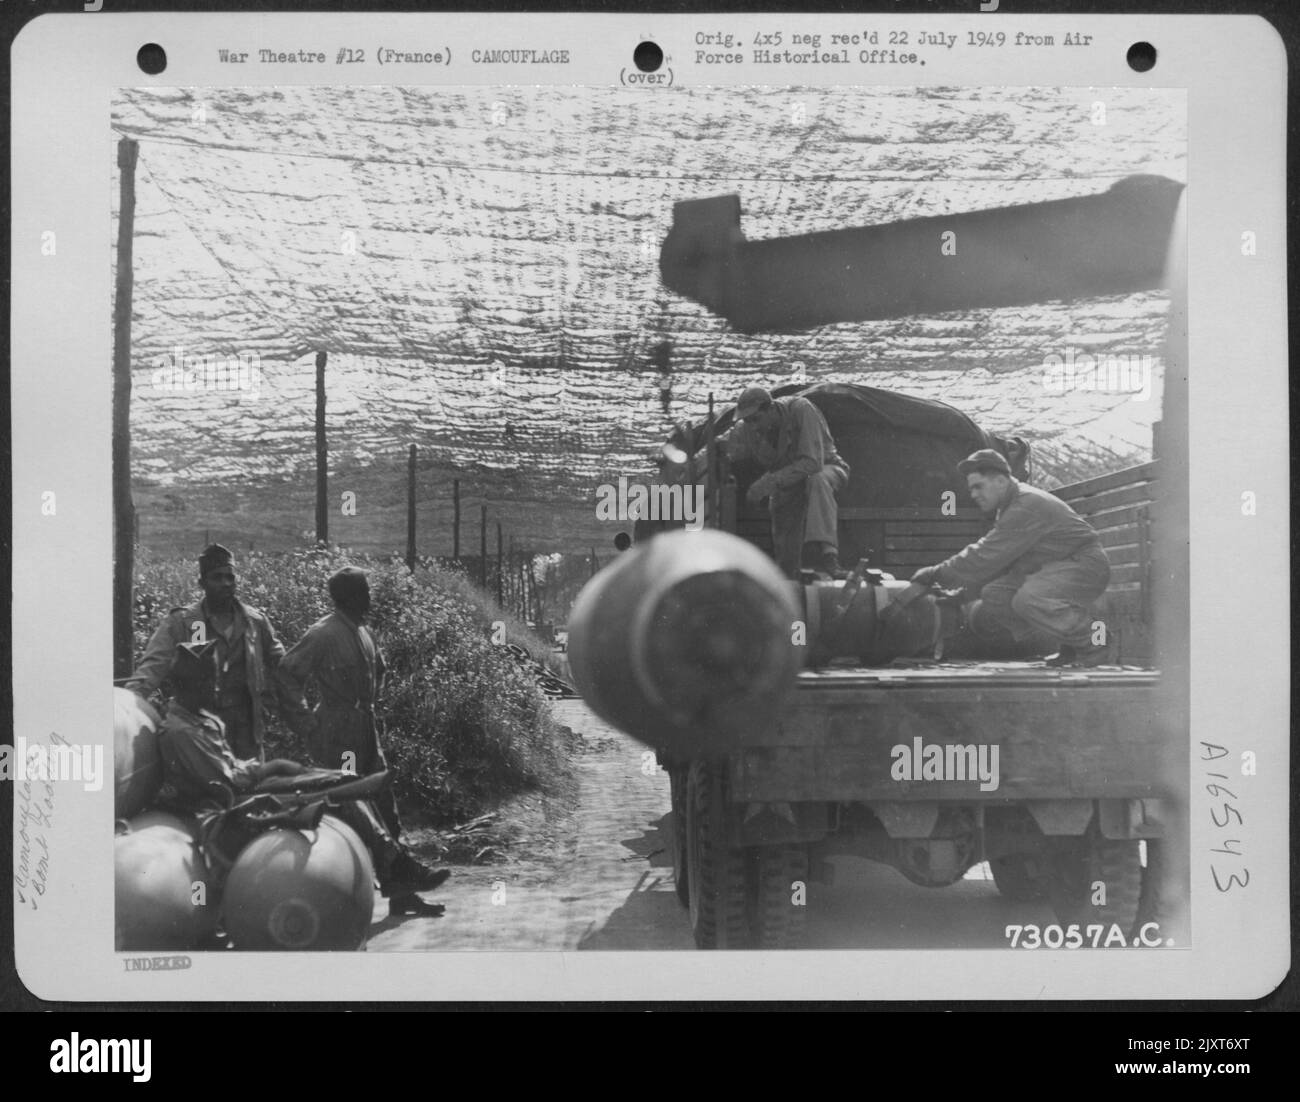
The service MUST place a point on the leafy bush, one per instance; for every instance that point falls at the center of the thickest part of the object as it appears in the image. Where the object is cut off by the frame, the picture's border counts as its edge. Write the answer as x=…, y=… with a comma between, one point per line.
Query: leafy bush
x=465, y=726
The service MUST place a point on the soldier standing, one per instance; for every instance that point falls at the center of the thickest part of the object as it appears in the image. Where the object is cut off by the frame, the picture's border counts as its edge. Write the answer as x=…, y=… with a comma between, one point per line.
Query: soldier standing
x=340, y=656
x=243, y=655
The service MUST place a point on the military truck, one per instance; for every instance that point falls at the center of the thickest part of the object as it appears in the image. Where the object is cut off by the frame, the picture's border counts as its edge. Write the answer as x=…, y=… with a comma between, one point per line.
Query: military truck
x=1085, y=782
x=1067, y=781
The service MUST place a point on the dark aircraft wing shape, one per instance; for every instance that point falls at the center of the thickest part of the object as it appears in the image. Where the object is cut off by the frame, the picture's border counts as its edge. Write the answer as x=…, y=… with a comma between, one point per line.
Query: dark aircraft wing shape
x=1106, y=244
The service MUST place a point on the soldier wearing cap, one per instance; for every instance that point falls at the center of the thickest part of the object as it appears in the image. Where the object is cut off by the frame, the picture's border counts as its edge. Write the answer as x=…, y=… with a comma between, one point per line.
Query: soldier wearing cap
x=1038, y=569
x=788, y=438
x=243, y=656
x=339, y=655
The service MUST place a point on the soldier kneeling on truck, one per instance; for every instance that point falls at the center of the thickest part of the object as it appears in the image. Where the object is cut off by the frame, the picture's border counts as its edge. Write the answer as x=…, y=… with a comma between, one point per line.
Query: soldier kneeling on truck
x=1037, y=570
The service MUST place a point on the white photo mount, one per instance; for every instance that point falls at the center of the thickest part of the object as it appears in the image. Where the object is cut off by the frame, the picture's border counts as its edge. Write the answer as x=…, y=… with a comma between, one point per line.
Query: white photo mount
x=1217, y=92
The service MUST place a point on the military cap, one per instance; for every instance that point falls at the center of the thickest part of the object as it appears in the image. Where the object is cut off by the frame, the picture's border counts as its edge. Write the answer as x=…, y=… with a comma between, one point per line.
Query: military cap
x=214, y=556
x=986, y=459
x=752, y=399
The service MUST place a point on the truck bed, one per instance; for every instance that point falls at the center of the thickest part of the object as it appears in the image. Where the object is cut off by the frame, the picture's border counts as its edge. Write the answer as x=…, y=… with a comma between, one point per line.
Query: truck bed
x=970, y=676
x=1060, y=734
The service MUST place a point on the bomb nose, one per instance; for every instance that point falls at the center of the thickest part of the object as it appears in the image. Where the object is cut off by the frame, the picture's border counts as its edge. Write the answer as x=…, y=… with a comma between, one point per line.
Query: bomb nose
x=684, y=642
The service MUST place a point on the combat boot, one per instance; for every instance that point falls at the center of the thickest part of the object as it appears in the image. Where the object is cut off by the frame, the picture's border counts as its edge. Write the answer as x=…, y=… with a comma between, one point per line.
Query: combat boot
x=406, y=874
x=411, y=904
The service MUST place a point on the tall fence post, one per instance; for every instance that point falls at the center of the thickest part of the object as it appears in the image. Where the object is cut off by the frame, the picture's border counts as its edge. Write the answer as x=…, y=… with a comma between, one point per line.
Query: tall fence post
x=500, y=565
x=124, y=519
x=322, y=455
x=410, y=510
x=711, y=478
x=455, y=522
x=512, y=591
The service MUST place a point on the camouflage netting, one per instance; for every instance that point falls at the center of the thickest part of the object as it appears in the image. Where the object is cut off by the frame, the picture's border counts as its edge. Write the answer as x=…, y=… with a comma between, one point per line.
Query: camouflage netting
x=481, y=267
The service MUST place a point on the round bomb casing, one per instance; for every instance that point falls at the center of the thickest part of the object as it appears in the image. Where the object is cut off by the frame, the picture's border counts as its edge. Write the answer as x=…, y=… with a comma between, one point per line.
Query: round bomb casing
x=685, y=642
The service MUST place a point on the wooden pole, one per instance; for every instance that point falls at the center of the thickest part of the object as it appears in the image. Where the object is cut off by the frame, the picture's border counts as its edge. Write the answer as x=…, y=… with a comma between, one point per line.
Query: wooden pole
x=512, y=579
x=532, y=587
x=482, y=547
x=711, y=477
x=500, y=566
x=322, y=455
x=123, y=507
x=455, y=524
x=410, y=510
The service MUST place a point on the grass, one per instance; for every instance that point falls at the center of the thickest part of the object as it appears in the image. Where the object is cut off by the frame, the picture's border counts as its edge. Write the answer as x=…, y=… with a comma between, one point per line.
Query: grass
x=465, y=726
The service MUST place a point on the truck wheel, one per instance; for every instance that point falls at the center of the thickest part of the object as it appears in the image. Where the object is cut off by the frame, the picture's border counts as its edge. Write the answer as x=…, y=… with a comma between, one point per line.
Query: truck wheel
x=1075, y=865
x=715, y=870
x=776, y=919
x=1011, y=874
x=681, y=881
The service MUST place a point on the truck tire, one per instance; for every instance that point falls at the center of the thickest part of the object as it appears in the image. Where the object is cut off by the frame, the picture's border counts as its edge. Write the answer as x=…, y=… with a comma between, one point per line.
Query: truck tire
x=1076, y=864
x=681, y=878
x=715, y=870
x=776, y=919
x=1011, y=874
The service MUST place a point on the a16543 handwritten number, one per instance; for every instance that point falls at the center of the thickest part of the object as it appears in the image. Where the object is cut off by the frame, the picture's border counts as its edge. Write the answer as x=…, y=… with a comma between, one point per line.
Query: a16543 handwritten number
x=1225, y=816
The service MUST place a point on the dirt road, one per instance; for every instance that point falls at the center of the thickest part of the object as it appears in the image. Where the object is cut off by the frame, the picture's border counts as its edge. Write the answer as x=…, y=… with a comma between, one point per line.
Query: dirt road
x=597, y=874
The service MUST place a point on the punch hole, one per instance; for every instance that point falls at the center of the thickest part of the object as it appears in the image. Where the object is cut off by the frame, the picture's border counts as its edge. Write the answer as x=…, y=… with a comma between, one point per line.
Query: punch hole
x=622, y=541
x=1141, y=57
x=648, y=57
x=151, y=58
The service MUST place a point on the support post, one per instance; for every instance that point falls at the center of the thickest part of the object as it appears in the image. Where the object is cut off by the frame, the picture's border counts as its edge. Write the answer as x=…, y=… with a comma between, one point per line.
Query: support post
x=124, y=521
x=455, y=522
x=410, y=510
x=500, y=566
x=322, y=455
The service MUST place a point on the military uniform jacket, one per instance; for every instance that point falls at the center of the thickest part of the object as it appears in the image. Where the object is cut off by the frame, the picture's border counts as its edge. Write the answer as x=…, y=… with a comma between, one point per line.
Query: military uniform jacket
x=803, y=445
x=341, y=657
x=197, y=761
x=1033, y=528
x=246, y=658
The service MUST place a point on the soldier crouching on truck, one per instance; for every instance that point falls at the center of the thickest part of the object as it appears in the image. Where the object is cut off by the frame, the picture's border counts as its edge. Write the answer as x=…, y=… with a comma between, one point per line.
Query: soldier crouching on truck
x=1038, y=570
x=789, y=439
